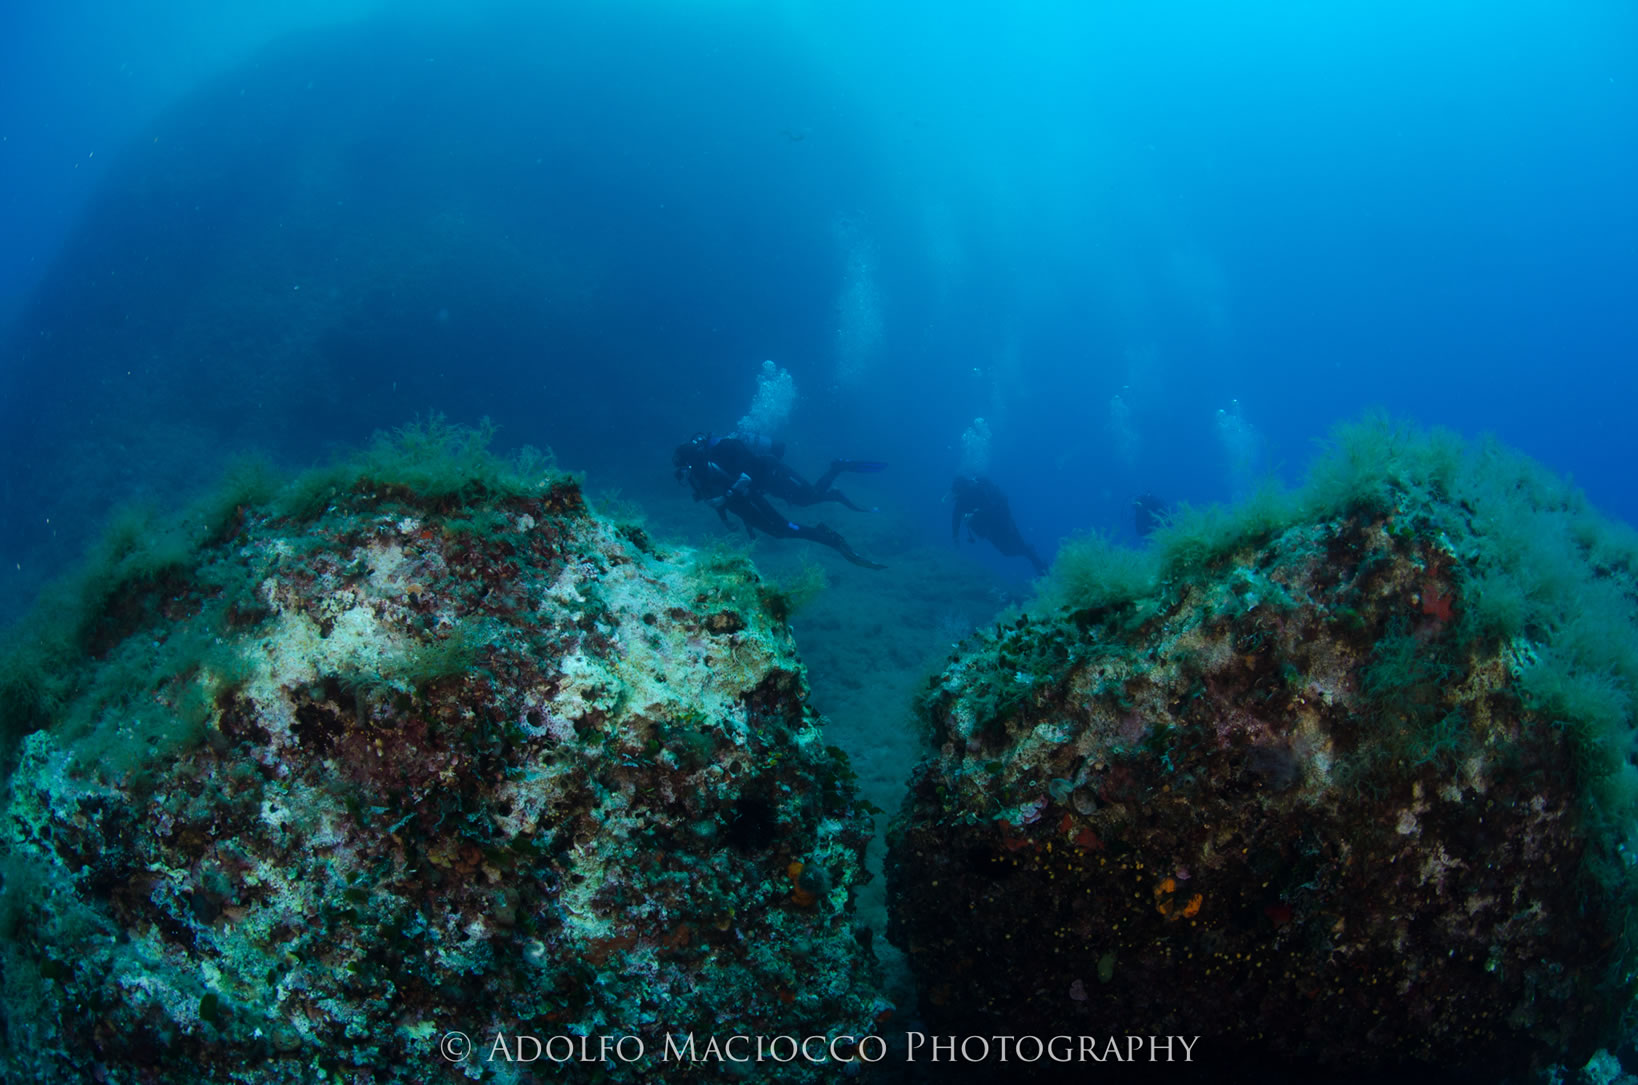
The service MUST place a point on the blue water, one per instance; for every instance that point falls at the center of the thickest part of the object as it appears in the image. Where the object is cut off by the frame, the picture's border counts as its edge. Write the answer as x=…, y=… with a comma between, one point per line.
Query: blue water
x=1157, y=247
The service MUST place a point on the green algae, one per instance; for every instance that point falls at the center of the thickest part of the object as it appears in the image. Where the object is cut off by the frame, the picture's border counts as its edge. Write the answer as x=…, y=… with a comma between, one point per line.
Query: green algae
x=447, y=685
x=148, y=570
x=1357, y=715
x=1530, y=561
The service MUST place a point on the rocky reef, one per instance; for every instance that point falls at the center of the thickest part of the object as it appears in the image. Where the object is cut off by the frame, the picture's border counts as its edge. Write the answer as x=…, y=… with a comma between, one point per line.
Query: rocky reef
x=362, y=773
x=1339, y=780
x=417, y=767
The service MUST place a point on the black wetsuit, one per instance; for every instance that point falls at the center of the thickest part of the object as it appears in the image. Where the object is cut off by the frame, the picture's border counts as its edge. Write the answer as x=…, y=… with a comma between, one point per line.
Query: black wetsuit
x=1150, y=513
x=737, y=475
x=761, y=461
x=980, y=504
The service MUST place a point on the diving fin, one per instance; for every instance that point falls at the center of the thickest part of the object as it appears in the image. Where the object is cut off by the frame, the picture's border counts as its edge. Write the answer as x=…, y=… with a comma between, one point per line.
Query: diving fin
x=833, y=539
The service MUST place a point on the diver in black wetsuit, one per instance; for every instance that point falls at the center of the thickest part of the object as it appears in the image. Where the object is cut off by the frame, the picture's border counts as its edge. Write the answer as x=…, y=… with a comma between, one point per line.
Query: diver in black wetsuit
x=1149, y=513
x=980, y=504
x=737, y=474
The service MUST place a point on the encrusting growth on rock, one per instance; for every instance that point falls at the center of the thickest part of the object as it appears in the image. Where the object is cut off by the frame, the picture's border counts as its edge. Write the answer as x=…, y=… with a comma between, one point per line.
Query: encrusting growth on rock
x=469, y=758
x=1308, y=792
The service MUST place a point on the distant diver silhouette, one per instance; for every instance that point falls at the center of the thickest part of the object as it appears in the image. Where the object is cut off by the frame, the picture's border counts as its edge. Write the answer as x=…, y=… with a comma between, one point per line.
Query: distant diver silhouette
x=982, y=507
x=1149, y=513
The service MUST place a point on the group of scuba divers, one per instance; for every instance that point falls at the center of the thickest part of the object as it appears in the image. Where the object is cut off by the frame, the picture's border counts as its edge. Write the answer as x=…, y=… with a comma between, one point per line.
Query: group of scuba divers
x=739, y=473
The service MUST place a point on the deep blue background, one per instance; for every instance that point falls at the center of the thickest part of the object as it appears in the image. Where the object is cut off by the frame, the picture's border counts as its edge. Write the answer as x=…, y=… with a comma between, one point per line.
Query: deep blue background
x=283, y=228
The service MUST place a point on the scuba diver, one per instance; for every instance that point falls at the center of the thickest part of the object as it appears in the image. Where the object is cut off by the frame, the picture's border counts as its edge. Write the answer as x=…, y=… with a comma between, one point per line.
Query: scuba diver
x=1150, y=513
x=980, y=504
x=737, y=474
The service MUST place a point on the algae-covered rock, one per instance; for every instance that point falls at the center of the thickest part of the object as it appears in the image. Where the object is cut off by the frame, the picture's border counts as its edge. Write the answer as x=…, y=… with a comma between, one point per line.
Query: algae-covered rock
x=1346, y=784
x=420, y=747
